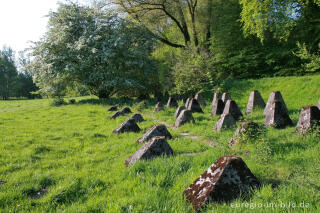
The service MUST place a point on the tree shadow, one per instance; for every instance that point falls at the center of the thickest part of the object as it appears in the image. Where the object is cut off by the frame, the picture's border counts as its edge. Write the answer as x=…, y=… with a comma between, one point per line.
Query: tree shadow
x=109, y=101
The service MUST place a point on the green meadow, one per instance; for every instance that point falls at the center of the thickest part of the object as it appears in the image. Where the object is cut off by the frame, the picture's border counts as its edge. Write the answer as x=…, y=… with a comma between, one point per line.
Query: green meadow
x=66, y=159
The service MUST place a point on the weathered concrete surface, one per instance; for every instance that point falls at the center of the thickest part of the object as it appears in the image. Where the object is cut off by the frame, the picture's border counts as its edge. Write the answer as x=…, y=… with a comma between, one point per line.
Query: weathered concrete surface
x=188, y=102
x=225, y=121
x=255, y=100
x=158, y=107
x=194, y=106
x=137, y=117
x=225, y=180
x=277, y=116
x=232, y=108
x=217, y=107
x=309, y=119
x=172, y=102
x=200, y=99
x=128, y=125
x=156, y=146
x=248, y=129
x=184, y=117
x=274, y=96
x=179, y=110
x=216, y=95
x=225, y=97
x=156, y=130
x=122, y=112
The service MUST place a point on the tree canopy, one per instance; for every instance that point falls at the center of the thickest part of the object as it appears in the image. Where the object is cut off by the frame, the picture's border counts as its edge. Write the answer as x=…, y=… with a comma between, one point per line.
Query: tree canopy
x=104, y=52
x=175, y=46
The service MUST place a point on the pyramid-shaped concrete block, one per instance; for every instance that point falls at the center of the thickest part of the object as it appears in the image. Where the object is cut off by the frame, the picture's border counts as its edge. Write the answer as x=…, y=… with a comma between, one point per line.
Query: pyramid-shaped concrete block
x=158, y=107
x=277, y=116
x=155, y=147
x=188, y=102
x=137, y=117
x=200, y=99
x=309, y=119
x=248, y=129
x=128, y=125
x=179, y=110
x=113, y=108
x=172, y=102
x=232, y=108
x=122, y=112
x=126, y=110
x=156, y=130
x=184, y=117
x=217, y=107
x=216, y=95
x=194, y=106
x=225, y=97
x=255, y=101
x=225, y=121
x=227, y=179
x=274, y=96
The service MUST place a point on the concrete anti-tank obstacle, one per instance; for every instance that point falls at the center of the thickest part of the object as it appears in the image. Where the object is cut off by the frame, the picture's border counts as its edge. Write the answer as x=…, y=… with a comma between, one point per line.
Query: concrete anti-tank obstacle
x=156, y=146
x=255, y=100
x=184, y=117
x=158, y=107
x=137, y=117
x=225, y=121
x=200, y=99
x=226, y=179
x=128, y=125
x=188, y=102
x=122, y=112
x=179, y=110
x=172, y=102
x=309, y=119
x=225, y=97
x=217, y=107
x=232, y=108
x=274, y=96
x=194, y=106
x=216, y=95
x=248, y=129
x=277, y=116
x=113, y=108
x=156, y=130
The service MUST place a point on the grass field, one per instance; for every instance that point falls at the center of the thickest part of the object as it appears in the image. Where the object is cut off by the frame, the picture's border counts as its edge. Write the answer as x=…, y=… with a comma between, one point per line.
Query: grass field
x=67, y=159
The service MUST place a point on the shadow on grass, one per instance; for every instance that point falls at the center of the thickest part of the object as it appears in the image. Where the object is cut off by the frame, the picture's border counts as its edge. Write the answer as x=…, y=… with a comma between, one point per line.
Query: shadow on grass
x=117, y=101
x=203, y=118
x=273, y=182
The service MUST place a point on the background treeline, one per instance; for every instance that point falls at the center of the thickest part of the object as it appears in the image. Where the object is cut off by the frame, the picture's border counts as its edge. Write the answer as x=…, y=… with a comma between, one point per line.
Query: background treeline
x=139, y=48
x=13, y=83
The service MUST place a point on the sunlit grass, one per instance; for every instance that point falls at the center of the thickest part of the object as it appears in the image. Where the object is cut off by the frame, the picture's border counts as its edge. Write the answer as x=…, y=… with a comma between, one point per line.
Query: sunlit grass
x=71, y=153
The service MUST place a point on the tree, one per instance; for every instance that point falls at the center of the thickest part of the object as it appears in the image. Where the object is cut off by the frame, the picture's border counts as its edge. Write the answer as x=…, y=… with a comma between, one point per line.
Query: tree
x=278, y=19
x=160, y=16
x=108, y=54
x=8, y=72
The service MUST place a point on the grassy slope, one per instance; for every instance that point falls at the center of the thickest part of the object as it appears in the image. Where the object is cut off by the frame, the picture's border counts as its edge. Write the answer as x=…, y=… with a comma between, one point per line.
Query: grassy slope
x=71, y=152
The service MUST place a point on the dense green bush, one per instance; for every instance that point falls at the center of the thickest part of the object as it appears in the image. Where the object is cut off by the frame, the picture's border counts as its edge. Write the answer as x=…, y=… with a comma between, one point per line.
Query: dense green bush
x=58, y=101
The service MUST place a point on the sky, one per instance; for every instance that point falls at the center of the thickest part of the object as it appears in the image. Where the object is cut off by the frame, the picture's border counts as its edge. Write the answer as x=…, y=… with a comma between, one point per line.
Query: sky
x=22, y=21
